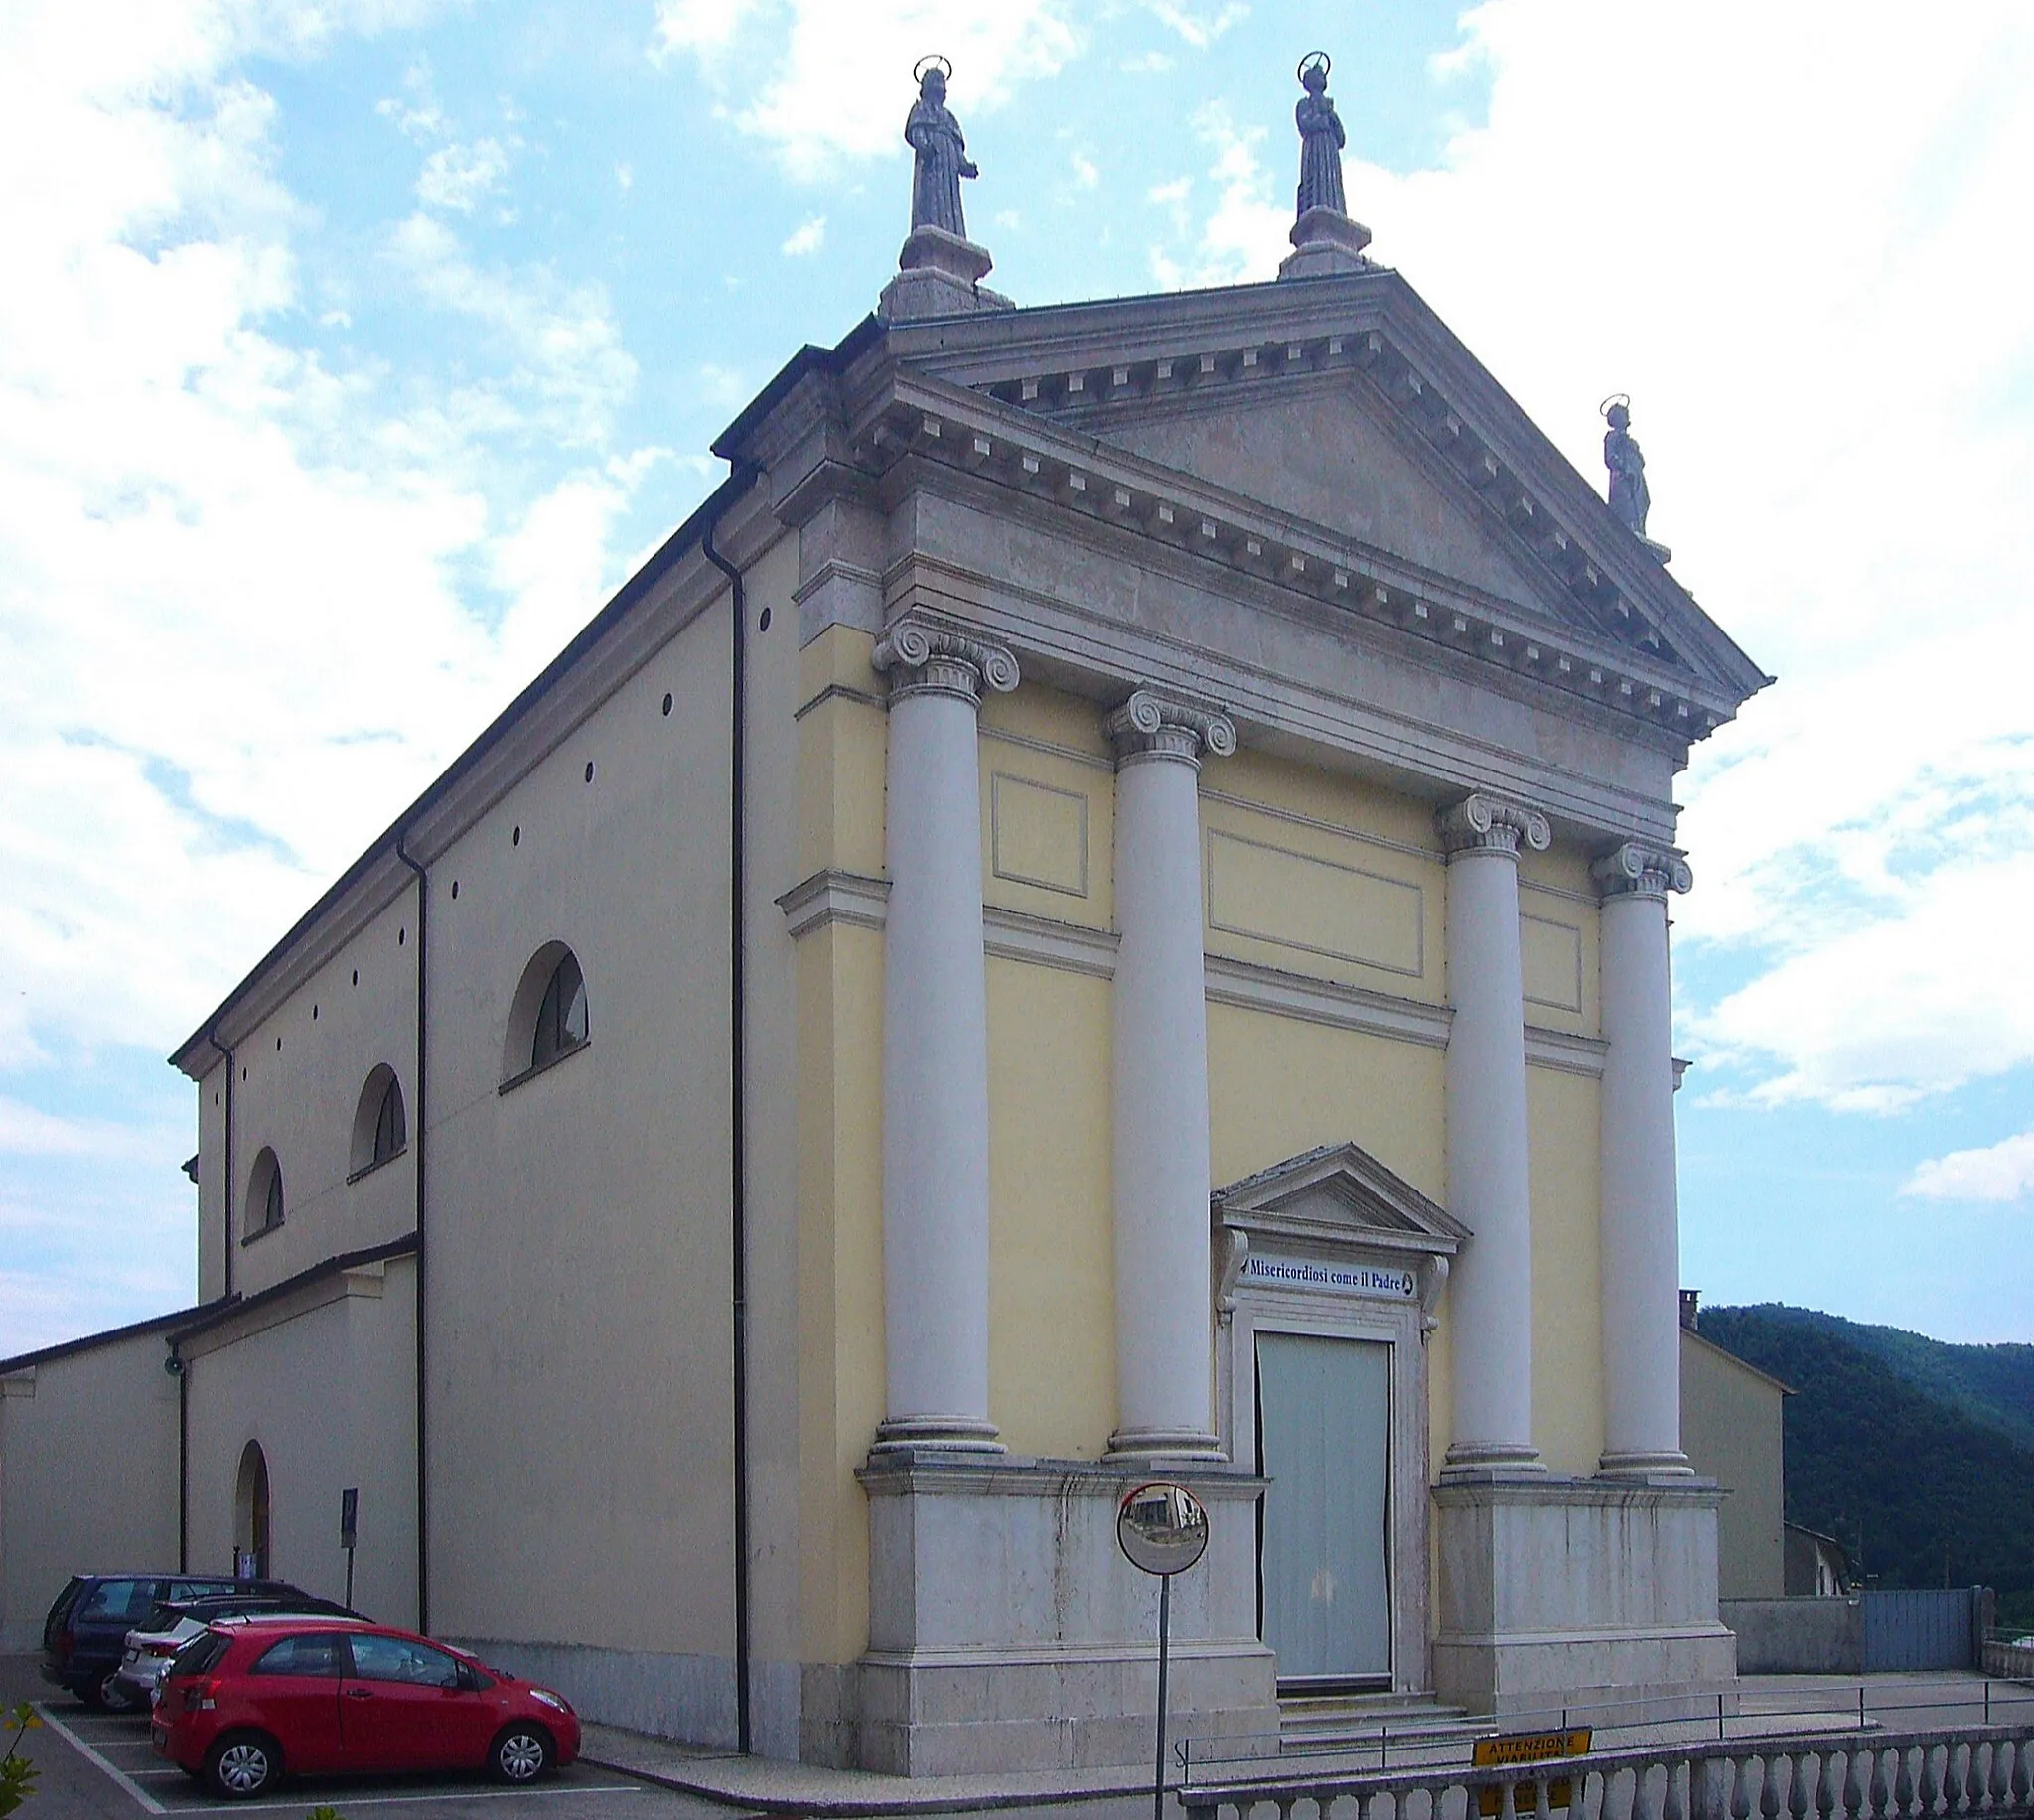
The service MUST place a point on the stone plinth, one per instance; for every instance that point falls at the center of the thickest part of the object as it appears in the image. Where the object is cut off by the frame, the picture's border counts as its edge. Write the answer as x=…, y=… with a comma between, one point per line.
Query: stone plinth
x=940, y=274
x=1008, y=1632
x=1555, y=1591
x=1326, y=242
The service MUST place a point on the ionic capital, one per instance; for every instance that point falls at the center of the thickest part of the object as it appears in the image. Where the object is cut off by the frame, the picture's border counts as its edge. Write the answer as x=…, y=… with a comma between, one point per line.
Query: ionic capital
x=1489, y=824
x=1636, y=870
x=1154, y=726
x=926, y=657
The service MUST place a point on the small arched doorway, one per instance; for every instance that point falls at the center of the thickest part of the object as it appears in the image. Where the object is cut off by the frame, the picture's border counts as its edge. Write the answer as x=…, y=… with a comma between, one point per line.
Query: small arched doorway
x=250, y=1516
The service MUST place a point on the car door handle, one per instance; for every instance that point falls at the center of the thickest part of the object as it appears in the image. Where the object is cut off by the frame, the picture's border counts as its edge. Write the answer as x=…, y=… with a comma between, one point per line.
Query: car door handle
x=359, y=1693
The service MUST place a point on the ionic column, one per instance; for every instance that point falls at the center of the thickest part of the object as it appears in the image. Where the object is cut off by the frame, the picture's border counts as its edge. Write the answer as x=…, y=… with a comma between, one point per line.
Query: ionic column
x=1164, y=1362
x=1641, y=1220
x=1489, y=1183
x=935, y=1055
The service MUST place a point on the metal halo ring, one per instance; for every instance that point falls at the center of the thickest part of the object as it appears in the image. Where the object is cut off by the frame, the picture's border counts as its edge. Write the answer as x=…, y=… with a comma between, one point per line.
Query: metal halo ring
x=1307, y=62
x=1623, y=398
x=918, y=69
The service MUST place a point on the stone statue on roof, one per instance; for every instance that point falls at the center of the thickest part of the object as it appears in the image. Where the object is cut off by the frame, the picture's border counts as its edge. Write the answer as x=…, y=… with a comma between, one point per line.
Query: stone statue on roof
x=1630, y=498
x=1321, y=139
x=1325, y=240
x=939, y=154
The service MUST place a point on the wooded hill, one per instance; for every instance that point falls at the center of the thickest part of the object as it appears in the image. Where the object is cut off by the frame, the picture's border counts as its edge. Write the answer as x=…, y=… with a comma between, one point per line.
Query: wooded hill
x=1917, y=1456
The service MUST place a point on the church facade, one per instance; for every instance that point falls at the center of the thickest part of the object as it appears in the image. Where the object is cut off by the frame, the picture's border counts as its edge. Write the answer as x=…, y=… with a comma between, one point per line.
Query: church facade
x=1098, y=913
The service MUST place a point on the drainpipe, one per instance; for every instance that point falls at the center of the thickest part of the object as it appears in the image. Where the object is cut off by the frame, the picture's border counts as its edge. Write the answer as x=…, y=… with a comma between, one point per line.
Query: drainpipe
x=421, y=1126
x=182, y=1368
x=738, y=1005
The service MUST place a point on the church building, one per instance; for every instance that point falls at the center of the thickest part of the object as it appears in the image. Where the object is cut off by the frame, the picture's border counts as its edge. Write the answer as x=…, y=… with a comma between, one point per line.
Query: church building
x=1097, y=914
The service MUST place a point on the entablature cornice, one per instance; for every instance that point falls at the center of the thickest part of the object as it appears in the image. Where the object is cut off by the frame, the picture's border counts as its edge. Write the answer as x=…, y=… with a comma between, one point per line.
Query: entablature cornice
x=1289, y=710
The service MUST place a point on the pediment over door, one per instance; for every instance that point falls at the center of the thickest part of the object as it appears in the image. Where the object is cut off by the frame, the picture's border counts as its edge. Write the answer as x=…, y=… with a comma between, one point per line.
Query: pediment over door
x=1334, y=1202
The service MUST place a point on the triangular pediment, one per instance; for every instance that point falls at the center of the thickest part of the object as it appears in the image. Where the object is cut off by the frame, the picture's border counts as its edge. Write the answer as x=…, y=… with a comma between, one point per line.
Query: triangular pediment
x=1317, y=453
x=1332, y=436
x=1337, y=1193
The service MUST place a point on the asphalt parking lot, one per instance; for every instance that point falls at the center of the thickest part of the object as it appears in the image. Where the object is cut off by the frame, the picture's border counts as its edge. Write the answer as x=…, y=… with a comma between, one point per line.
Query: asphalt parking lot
x=102, y=1766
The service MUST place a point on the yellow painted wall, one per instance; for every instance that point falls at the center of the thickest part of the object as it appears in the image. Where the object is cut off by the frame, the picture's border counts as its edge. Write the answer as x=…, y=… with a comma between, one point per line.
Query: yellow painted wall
x=1052, y=1267
x=1567, y=1323
x=842, y=735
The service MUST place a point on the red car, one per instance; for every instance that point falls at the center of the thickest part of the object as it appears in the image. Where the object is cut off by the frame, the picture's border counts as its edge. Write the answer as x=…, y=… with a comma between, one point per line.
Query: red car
x=256, y=1698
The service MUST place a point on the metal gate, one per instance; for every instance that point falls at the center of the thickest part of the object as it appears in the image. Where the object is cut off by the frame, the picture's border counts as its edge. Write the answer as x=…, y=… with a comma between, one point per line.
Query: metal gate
x=1922, y=1630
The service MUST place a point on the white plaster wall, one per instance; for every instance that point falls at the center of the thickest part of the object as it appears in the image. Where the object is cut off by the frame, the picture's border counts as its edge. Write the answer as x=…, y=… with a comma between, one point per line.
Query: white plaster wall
x=299, y=1100
x=88, y=1476
x=328, y=1392
x=578, y=1268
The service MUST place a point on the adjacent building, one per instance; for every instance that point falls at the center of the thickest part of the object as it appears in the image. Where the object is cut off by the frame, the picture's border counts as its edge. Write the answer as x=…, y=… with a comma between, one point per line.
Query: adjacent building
x=1099, y=912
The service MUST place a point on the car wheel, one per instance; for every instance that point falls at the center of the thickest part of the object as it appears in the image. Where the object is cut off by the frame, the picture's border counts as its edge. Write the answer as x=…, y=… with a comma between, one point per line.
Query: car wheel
x=521, y=1754
x=243, y=1765
x=106, y=1695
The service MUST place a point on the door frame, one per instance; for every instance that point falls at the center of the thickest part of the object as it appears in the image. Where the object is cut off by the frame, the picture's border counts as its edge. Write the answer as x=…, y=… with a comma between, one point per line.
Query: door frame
x=1396, y=1325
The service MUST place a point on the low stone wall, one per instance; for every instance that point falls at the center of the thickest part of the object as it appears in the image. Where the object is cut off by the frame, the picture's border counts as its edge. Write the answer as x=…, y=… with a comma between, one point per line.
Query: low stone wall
x=2008, y=1660
x=1797, y=1636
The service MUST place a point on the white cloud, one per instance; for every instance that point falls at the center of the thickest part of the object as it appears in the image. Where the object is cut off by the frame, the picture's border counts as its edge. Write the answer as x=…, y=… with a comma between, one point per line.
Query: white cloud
x=1197, y=28
x=840, y=75
x=2000, y=1172
x=1086, y=173
x=804, y=239
x=27, y=1132
x=1244, y=235
x=238, y=627
x=458, y=176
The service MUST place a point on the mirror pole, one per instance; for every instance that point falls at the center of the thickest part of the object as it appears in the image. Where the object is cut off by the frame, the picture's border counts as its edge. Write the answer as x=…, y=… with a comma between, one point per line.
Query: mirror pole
x=1164, y=1639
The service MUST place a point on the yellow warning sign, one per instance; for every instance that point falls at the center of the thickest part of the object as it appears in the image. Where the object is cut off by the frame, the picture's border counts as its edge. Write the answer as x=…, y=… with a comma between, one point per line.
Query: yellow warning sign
x=1528, y=1748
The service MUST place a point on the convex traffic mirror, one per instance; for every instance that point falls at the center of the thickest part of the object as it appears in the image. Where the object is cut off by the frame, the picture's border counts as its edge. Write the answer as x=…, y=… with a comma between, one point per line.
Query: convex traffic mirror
x=1162, y=1528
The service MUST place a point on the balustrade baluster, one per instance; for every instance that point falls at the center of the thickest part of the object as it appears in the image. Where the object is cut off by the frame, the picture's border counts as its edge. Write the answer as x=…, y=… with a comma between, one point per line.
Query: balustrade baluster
x=1883, y=1784
x=1854, y=1790
x=1769, y=1786
x=1826, y=1783
x=1741, y=1793
x=1998, y=1774
x=1906, y=1784
x=1934, y=1790
x=1796, y=1785
x=1673, y=1797
x=2019, y=1787
x=1645, y=1804
x=1957, y=1777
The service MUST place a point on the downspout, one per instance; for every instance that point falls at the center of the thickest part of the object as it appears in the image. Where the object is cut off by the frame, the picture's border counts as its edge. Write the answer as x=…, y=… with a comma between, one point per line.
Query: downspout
x=738, y=1217
x=421, y=1126
x=182, y=1369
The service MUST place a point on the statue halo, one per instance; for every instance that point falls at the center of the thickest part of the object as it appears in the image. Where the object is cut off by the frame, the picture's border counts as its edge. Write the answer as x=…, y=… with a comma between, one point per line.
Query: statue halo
x=1615, y=398
x=1312, y=59
x=934, y=61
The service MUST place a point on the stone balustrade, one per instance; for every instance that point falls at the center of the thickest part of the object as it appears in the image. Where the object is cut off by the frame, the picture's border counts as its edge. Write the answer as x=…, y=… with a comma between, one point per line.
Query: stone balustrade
x=1873, y=1776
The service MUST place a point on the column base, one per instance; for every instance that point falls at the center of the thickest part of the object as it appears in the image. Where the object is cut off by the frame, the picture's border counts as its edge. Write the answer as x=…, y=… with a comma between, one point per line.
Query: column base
x=1579, y=1592
x=1129, y=1443
x=1007, y=1633
x=1479, y=1460
x=937, y=1434
x=1667, y=1464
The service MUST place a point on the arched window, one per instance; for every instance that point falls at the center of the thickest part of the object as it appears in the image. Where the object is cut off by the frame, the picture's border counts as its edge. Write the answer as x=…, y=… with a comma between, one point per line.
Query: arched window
x=561, y=1017
x=549, y=1020
x=265, y=1198
x=380, y=1124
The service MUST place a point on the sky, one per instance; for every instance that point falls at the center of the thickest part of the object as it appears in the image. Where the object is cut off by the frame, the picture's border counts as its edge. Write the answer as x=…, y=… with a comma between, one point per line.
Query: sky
x=351, y=352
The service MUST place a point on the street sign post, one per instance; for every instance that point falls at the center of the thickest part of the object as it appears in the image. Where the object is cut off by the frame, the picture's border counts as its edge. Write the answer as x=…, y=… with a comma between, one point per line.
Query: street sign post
x=349, y=1530
x=1162, y=1529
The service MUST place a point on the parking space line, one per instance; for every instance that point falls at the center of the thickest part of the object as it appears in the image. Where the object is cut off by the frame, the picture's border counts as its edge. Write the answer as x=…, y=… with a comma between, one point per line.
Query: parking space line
x=149, y=1803
x=450, y=1795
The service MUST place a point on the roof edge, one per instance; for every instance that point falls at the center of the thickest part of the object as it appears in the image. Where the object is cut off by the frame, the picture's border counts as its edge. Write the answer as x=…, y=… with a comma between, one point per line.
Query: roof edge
x=88, y=1342
x=217, y=1313
x=183, y=1056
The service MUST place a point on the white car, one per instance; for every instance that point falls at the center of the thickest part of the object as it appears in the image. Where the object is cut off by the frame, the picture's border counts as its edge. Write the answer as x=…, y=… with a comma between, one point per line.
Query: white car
x=169, y=1626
